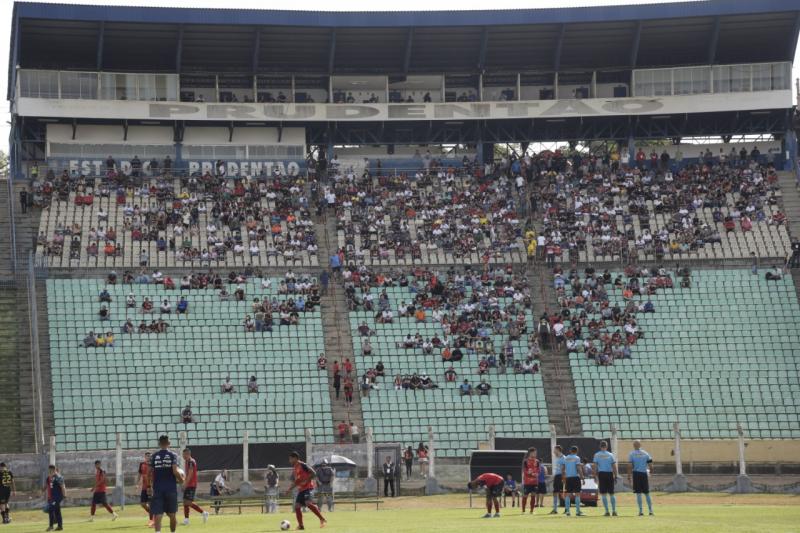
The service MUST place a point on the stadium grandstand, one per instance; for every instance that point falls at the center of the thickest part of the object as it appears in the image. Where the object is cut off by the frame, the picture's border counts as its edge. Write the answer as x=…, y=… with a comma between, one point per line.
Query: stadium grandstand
x=463, y=230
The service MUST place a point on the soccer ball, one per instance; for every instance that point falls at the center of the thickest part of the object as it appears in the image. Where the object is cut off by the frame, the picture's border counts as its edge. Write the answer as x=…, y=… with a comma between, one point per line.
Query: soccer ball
x=285, y=525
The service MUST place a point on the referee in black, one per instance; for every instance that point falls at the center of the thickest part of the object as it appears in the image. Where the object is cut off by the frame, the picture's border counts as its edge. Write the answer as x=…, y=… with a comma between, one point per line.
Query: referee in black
x=388, y=477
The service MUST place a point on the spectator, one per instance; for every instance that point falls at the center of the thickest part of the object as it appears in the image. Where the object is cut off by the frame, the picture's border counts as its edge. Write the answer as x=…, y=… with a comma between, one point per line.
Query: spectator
x=322, y=363
x=186, y=415
x=354, y=433
x=342, y=428
x=252, y=385
x=183, y=306
x=466, y=388
x=227, y=386
x=105, y=296
x=450, y=374
x=104, y=313
x=483, y=388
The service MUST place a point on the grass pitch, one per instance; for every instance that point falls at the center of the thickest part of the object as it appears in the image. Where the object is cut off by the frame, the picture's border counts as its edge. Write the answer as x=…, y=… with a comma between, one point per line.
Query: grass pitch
x=451, y=513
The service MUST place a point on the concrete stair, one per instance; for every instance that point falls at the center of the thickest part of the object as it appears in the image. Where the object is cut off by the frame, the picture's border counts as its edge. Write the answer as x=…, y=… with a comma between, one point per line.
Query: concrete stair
x=336, y=328
x=790, y=194
x=559, y=386
x=6, y=271
x=10, y=382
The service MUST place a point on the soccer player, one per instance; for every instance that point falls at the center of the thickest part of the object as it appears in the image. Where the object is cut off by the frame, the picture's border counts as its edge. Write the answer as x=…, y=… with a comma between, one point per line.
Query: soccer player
x=190, y=488
x=558, y=478
x=638, y=475
x=304, y=477
x=55, y=490
x=494, y=484
x=605, y=474
x=542, y=489
x=573, y=474
x=99, y=496
x=142, y=481
x=530, y=479
x=7, y=489
x=164, y=479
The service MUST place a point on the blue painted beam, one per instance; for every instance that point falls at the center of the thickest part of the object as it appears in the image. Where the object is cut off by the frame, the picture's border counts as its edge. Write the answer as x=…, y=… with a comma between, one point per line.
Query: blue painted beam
x=332, y=52
x=713, y=39
x=179, y=50
x=101, y=36
x=483, y=48
x=793, y=40
x=249, y=17
x=409, y=45
x=637, y=40
x=559, y=47
x=256, y=48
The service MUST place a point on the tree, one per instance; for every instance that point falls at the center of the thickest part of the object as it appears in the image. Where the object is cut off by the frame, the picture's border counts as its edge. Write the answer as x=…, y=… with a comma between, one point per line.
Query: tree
x=3, y=163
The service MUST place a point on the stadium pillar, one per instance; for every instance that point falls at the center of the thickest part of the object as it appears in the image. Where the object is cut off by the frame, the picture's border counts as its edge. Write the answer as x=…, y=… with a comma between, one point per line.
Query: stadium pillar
x=678, y=483
x=309, y=444
x=553, y=437
x=431, y=485
x=631, y=149
x=743, y=483
x=790, y=150
x=52, y=449
x=118, y=494
x=370, y=484
x=183, y=443
x=246, y=489
x=491, y=437
x=619, y=486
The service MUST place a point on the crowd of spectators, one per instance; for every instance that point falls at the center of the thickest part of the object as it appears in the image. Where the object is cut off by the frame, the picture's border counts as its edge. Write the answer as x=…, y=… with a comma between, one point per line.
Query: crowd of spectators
x=197, y=218
x=589, y=322
x=586, y=202
x=406, y=216
x=470, y=310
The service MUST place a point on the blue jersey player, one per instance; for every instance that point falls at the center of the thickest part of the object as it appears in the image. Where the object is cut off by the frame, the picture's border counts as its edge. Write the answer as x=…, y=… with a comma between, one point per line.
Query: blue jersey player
x=573, y=480
x=605, y=474
x=164, y=479
x=638, y=475
x=558, y=478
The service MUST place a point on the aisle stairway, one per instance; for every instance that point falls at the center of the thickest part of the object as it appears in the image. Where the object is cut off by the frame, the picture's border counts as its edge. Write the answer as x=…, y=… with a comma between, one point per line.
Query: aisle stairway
x=338, y=341
x=559, y=387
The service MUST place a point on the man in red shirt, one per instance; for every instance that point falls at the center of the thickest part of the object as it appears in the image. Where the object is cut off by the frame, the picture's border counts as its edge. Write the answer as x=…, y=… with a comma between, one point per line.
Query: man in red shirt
x=190, y=488
x=342, y=427
x=99, y=492
x=304, y=477
x=143, y=482
x=530, y=479
x=494, y=488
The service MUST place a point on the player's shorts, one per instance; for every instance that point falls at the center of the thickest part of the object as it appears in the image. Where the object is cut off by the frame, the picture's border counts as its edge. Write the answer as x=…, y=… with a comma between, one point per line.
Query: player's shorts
x=494, y=492
x=189, y=493
x=5, y=495
x=573, y=485
x=541, y=488
x=641, y=484
x=605, y=482
x=529, y=489
x=164, y=502
x=303, y=497
x=144, y=497
x=99, y=498
x=324, y=488
x=558, y=483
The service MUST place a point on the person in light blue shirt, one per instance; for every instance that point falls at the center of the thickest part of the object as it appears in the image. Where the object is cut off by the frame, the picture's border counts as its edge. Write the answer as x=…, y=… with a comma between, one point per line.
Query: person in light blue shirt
x=573, y=472
x=638, y=475
x=558, y=478
x=605, y=474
